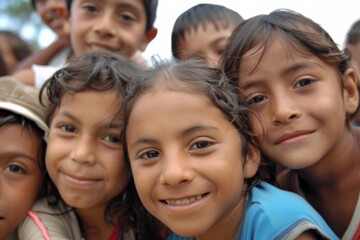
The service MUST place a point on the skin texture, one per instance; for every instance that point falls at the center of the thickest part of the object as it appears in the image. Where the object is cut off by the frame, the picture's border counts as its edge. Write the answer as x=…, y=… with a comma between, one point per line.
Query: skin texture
x=178, y=143
x=52, y=13
x=20, y=176
x=85, y=156
x=117, y=26
x=302, y=108
x=205, y=43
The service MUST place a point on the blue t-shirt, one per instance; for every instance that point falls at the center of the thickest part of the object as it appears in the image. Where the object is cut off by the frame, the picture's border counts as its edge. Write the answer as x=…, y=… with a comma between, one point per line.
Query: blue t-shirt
x=272, y=213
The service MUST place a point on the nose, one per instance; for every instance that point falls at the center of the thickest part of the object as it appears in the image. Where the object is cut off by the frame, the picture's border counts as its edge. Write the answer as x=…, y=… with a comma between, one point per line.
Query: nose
x=284, y=109
x=104, y=27
x=84, y=151
x=176, y=170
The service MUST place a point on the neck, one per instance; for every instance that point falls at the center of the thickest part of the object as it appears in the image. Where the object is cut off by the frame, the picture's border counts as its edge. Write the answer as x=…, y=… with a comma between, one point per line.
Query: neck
x=94, y=224
x=227, y=227
x=333, y=171
x=332, y=186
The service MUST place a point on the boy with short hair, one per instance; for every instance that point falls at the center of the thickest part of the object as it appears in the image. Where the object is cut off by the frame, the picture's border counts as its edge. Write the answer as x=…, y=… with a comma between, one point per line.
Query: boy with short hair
x=53, y=14
x=118, y=26
x=22, y=151
x=203, y=31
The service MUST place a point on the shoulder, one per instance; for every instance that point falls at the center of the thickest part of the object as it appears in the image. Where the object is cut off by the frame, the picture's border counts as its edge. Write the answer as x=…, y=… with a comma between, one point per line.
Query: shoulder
x=58, y=222
x=274, y=212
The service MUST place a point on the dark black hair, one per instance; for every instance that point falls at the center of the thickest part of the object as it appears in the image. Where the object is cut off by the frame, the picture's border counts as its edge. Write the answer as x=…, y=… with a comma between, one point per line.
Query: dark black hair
x=353, y=35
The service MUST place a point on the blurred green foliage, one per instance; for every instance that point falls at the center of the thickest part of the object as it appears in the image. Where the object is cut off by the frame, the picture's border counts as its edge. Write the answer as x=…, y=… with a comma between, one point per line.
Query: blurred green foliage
x=17, y=15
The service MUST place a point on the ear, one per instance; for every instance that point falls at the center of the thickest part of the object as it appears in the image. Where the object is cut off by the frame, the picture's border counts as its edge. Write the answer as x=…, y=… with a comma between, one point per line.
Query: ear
x=252, y=162
x=350, y=91
x=149, y=36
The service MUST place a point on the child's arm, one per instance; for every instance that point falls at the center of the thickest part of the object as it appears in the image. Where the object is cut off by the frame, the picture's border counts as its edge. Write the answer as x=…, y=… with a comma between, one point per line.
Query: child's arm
x=25, y=76
x=43, y=56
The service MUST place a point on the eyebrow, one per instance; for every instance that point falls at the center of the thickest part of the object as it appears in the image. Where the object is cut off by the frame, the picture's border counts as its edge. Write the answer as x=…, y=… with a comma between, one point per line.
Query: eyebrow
x=184, y=133
x=115, y=124
x=111, y=124
x=197, y=128
x=17, y=155
x=290, y=70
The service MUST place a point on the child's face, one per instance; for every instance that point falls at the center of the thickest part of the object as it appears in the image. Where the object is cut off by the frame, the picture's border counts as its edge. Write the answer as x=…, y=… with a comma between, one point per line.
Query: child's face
x=300, y=102
x=187, y=162
x=52, y=13
x=20, y=176
x=207, y=44
x=85, y=157
x=117, y=26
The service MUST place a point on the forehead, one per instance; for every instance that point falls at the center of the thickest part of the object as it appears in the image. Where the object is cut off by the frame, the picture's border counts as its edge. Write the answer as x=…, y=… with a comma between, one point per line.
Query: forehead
x=173, y=96
x=275, y=47
x=91, y=102
x=163, y=106
x=17, y=138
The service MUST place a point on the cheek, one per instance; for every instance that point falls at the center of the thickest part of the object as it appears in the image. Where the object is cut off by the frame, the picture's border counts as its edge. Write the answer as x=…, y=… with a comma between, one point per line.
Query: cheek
x=143, y=182
x=257, y=123
x=22, y=196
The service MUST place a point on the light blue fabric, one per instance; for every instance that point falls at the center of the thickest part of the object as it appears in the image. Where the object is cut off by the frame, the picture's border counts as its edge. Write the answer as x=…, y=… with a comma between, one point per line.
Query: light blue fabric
x=272, y=213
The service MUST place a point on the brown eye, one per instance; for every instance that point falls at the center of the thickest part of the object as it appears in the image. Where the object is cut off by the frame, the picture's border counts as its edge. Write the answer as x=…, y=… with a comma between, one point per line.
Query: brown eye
x=201, y=144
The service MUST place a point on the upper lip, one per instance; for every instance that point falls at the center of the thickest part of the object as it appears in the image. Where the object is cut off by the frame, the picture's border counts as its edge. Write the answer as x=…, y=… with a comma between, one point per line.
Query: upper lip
x=292, y=134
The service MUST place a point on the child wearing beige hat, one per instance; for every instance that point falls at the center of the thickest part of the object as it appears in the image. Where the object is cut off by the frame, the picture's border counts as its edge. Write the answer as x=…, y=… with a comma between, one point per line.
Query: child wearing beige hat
x=22, y=148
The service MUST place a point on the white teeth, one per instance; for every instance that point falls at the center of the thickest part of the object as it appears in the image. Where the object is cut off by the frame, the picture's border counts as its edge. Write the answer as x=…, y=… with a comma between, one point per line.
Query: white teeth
x=183, y=201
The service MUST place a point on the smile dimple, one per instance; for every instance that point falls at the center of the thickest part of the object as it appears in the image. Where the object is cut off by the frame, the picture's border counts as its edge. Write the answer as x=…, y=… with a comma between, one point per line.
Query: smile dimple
x=184, y=201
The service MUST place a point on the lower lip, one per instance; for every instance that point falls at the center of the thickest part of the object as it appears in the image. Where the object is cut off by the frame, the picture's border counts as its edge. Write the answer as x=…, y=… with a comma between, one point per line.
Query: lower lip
x=80, y=182
x=295, y=139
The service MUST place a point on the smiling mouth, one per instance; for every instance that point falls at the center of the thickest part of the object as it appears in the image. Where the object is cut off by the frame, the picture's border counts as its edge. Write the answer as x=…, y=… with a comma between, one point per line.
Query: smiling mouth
x=81, y=181
x=184, y=201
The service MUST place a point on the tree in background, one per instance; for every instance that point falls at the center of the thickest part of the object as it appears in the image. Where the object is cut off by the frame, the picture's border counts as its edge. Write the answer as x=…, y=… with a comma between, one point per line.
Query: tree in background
x=19, y=16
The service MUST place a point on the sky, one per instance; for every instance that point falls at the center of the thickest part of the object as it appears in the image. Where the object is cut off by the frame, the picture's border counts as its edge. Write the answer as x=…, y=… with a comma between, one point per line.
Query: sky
x=335, y=17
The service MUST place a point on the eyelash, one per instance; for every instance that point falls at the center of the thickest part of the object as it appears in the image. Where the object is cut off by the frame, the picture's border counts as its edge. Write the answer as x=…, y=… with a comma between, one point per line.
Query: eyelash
x=207, y=143
x=144, y=155
x=20, y=170
x=110, y=138
x=67, y=128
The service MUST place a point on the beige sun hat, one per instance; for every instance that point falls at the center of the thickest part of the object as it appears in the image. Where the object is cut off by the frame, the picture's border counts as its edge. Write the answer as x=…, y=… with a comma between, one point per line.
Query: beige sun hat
x=23, y=100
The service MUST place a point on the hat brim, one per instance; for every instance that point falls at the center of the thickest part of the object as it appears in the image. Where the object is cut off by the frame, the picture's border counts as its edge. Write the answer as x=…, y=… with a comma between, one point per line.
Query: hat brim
x=26, y=113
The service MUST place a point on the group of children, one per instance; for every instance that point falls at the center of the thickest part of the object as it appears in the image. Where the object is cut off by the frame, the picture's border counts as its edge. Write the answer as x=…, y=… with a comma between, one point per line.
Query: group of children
x=224, y=141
